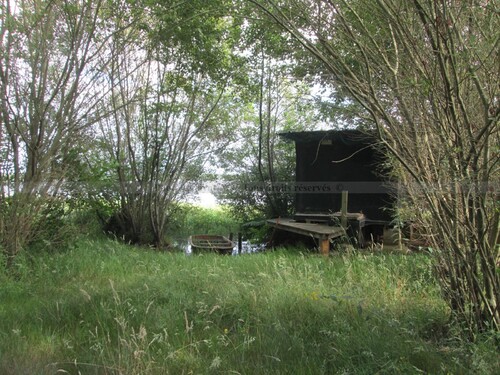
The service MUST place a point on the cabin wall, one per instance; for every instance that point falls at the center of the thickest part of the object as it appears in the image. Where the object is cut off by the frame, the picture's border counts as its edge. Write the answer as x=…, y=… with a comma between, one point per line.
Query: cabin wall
x=341, y=164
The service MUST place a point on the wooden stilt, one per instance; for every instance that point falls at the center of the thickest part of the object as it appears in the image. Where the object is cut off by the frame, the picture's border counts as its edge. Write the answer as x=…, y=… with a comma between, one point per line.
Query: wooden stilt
x=324, y=246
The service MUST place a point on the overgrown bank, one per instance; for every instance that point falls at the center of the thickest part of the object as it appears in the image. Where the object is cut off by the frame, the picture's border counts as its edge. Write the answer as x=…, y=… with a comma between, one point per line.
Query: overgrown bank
x=106, y=308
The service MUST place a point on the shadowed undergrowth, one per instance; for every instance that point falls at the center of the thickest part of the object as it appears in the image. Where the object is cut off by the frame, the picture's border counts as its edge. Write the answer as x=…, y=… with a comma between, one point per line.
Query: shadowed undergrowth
x=106, y=308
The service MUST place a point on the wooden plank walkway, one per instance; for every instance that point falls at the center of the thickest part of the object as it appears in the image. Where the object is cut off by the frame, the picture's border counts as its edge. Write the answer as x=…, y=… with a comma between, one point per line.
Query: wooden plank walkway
x=323, y=232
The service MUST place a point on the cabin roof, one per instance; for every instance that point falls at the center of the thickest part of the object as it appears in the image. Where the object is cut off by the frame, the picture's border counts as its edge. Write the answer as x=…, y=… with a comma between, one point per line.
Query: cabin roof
x=348, y=136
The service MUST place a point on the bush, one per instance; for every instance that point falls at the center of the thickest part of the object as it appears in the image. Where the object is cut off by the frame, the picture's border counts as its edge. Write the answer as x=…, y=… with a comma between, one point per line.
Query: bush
x=54, y=230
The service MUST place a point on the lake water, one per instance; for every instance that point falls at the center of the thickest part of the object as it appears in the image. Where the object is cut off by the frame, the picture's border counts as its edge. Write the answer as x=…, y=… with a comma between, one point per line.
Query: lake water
x=246, y=247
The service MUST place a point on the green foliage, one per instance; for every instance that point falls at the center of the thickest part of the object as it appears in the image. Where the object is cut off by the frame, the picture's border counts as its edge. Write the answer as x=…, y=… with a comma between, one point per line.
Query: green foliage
x=130, y=311
x=200, y=31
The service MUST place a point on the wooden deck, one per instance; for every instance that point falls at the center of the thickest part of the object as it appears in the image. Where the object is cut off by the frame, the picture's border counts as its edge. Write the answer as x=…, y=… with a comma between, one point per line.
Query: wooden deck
x=322, y=217
x=324, y=233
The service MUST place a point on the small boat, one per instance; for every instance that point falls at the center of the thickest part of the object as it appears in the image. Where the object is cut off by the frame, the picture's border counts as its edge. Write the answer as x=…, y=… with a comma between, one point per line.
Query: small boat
x=207, y=242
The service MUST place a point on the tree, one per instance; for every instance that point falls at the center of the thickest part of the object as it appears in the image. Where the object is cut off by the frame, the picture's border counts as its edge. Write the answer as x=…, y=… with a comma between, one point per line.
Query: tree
x=171, y=110
x=49, y=90
x=260, y=166
x=426, y=74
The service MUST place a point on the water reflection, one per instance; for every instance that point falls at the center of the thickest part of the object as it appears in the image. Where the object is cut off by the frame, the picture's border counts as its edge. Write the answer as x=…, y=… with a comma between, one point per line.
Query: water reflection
x=246, y=247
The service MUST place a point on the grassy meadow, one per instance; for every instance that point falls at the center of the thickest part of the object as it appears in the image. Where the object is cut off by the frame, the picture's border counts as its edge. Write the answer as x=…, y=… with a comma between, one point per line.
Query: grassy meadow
x=102, y=307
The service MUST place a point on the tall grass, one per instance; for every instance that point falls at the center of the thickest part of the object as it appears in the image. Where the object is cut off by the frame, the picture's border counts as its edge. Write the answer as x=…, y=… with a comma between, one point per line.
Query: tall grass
x=106, y=308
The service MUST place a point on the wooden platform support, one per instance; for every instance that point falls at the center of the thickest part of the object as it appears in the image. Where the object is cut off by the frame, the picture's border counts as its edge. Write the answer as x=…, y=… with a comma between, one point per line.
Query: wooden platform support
x=343, y=209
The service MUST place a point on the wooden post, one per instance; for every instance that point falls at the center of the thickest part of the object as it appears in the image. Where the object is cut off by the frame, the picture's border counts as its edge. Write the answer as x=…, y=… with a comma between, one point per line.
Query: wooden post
x=343, y=209
x=324, y=246
x=240, y=242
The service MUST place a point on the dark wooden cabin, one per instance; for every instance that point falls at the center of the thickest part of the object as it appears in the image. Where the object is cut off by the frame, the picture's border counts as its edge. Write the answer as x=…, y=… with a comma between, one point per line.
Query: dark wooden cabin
x=329, y=162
